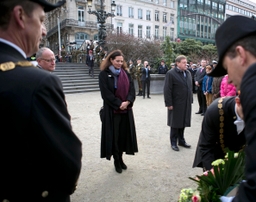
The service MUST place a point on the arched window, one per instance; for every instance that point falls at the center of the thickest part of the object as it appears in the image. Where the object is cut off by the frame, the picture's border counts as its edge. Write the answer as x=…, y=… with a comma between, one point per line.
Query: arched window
x=80, y=38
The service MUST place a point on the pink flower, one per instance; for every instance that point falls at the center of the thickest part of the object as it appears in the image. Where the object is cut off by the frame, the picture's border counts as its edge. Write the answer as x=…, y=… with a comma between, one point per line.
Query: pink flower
x=196, y=197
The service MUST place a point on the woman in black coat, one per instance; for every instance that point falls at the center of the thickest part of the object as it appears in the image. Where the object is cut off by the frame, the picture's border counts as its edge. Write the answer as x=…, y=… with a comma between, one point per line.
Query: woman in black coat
x=118, y=94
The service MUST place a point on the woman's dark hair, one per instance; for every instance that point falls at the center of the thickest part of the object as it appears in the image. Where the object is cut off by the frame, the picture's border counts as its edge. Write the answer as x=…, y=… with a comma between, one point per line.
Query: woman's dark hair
x=112, y=55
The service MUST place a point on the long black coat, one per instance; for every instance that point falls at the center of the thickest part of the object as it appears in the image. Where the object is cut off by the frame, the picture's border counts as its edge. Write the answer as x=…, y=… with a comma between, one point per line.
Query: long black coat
x=38, y=150
x=247, y=190
x=178, y=93
x=111, y=103
x=209, y=146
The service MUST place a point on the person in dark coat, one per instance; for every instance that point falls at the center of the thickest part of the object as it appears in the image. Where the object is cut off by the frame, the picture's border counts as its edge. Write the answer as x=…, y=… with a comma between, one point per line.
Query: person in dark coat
x=212, y=144
x=145, y=79
x=40, y=154
x=178, y=99
x=118, y=94
x=162, y=69
x=237, y=57
x=90, y=63
x=193, y=68
x=199, y=76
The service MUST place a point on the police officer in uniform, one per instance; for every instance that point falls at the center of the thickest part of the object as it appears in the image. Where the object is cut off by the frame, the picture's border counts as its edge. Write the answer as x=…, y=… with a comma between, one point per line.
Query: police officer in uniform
x=139, y=66
x=39, y=153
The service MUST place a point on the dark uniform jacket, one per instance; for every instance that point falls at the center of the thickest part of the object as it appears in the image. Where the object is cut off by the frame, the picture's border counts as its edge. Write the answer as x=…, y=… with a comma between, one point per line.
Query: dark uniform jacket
x=178, y=93
x=162, y=69
x=247, y=190
x=209, y=146
x=39, y=153
x=111, y=103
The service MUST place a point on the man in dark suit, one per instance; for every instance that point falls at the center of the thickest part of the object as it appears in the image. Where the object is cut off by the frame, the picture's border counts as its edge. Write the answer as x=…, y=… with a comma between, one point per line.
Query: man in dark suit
x=39, y=153
x=217, y=134
x=199, y=76
x=237, y=57
x=90, y=63
x=145, y=79
x=178, y=100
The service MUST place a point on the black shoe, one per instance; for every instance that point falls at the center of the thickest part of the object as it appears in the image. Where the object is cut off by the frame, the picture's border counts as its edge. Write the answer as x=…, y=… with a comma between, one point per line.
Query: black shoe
x=149, y=97
x=198, y=112
x=202, y=114
x=118, y=166
x=175, y=148
x=143, y=97
x=123, y=166
x=185, y=145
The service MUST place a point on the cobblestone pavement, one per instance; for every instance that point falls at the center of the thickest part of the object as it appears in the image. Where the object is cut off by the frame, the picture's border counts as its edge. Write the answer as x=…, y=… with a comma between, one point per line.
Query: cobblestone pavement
x=156, y=173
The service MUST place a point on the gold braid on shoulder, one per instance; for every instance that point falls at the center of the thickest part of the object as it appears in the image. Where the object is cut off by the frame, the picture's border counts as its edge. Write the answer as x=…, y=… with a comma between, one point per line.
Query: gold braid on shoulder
x=11, y=65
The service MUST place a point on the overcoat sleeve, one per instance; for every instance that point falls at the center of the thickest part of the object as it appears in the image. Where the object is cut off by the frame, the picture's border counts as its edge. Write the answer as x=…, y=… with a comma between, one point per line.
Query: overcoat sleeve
x=209, y=135
x=247, y=189
x=52, y=120
x=168, y=85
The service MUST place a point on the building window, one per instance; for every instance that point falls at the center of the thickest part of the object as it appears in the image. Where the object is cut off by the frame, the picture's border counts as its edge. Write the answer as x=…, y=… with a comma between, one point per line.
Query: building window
x=172, y=34
x=139, y=31
x=119, y=10
x=148, y=15
x=80, y=13
x=156, y=16
x=139, y=13
x=119, y=26
x=157, y=2
x=131, y=15
x=172, y=20
x=200, y=2
x=214, y=5
x=165, y=17
x=131, y=29
x=164, y=2
x=156, y=32
x=221, y=7
x=164, y=32
x=208, y=2
x=148, y=32
x=172, y=4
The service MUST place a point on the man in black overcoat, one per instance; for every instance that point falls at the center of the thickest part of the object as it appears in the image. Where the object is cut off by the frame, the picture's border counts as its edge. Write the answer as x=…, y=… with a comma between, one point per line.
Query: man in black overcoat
x=212, y=144
x=178, y=99
x=236, y=45
x=145, y=79
x=39, y=153
x=198, y=78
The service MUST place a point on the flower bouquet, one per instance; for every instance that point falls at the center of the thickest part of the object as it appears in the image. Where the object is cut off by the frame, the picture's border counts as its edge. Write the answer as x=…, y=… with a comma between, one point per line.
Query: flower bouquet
x=225, y=175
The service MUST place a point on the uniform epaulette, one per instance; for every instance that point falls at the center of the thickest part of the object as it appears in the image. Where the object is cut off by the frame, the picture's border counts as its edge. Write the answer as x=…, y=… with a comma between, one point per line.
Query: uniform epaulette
x=11, y=65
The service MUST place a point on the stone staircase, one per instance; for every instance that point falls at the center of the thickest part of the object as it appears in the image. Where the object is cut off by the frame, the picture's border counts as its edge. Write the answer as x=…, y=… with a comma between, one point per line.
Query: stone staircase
x=75, y=78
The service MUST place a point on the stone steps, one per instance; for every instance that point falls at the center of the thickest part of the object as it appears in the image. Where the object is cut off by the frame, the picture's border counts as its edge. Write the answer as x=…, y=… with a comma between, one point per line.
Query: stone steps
x=75, y=78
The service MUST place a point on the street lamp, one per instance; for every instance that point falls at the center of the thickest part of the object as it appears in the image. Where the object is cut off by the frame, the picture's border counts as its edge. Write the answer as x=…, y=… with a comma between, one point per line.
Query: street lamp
x=101, y=19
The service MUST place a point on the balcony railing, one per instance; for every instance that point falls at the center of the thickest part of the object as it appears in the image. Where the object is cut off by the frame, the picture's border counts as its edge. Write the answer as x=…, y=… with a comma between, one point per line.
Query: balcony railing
x=76, y=23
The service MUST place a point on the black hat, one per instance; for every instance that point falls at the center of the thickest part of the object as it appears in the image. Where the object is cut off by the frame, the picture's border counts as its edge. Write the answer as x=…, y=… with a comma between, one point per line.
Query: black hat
x=233, y=29
x=48, y=6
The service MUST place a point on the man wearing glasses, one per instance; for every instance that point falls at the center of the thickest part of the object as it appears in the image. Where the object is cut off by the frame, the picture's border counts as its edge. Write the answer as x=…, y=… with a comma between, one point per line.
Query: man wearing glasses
x=46, y=59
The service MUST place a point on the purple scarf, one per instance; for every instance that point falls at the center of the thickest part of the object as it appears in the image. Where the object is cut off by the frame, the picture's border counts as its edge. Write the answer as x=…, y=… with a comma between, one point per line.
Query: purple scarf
x=123, y=86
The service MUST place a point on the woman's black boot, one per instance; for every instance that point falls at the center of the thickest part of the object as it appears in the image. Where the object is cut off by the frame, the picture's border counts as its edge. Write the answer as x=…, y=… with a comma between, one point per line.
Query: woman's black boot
x=123, y=166
x=118, y=166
